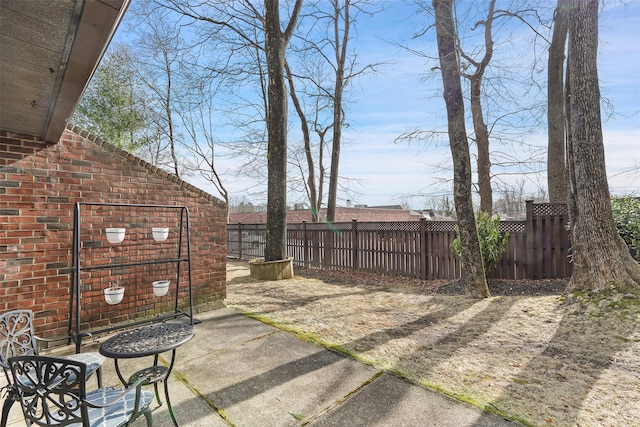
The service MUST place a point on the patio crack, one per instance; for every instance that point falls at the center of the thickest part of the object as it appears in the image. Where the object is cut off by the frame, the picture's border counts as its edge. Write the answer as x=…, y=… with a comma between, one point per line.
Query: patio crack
x=179, y=376
x=342, y=400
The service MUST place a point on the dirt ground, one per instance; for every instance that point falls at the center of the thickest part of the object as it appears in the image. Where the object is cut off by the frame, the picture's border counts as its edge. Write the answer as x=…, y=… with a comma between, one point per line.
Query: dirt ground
x=529, y=352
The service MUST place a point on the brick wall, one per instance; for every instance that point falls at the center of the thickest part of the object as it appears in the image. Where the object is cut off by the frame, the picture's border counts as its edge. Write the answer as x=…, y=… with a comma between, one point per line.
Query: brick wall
x=39, y=184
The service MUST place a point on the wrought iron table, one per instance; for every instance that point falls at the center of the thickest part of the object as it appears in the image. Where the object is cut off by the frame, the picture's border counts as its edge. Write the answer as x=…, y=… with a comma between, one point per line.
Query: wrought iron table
x=149, y=340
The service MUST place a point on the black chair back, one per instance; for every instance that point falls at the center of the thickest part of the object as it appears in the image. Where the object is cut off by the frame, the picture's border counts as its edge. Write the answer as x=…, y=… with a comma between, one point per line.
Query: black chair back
x=51, y=390
x=16, y=337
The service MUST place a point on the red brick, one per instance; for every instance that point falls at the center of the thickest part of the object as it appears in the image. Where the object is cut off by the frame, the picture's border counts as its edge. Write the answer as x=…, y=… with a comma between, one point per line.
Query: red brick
x=47, y=188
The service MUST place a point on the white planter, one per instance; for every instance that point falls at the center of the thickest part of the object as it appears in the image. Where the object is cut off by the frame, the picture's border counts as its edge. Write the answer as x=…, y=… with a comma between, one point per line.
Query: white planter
x=160, y=287
x=113, y=295
x=115, y=235
x=160, y=233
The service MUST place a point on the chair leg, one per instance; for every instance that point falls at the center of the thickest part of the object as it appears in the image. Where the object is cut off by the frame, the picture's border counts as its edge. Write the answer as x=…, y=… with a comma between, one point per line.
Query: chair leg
x=99, y=376
x=155, y=386
x=10, y=398
x=148, y=417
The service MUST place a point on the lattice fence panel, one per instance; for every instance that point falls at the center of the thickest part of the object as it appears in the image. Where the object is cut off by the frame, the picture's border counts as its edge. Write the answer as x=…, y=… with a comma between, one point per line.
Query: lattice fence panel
x=512, y=226
x=540, y=209
x=444, y=226
x=389, y=226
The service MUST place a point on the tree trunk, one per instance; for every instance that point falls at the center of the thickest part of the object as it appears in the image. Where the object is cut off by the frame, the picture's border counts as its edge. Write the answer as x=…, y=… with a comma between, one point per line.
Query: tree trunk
x=275, y=45
x=479, y=126
x=306, y=136
x=482, y=142
x=601, y=260
x=317, y=214
x=556, y=118
x=341, y=56
x=169, y=114
x=473, y=276
x=571, y=176
x=335, y=160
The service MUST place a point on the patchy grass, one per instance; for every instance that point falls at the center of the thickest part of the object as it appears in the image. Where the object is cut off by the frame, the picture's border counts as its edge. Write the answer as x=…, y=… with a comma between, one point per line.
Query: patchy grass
x=542, y=358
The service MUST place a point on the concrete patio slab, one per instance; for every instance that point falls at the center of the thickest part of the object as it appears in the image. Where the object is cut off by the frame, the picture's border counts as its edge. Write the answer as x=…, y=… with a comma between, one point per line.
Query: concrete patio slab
x=240, y=372
x=392, y=401
x=275, y=380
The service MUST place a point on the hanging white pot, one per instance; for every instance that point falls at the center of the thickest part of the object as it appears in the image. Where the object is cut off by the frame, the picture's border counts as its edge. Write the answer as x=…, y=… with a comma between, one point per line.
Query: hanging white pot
x=160, y=233
x=160, y=287
x=113, y=295
x=115, y=235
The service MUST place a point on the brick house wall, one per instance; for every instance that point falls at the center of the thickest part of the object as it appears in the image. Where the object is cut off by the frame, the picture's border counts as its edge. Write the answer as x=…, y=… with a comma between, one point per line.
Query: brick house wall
x=39, y=184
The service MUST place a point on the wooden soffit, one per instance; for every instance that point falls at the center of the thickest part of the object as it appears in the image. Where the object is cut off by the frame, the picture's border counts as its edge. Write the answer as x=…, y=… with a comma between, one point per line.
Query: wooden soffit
x=49, y=49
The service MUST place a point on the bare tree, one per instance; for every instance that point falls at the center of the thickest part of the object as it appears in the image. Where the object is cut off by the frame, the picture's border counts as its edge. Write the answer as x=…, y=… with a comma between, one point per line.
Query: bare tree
x=314, y=159
x=479, y=126
x=476, y=76
x=237, y=28
x=229, y=36
x=473, y=275
x=320, y=69
x=497, y=113
x=159, y=52
x=241, y=204
x=196, y=114
x=340, y=45
x=601, y=259
x=324, y=68
x=556, y=118
x=249, y=32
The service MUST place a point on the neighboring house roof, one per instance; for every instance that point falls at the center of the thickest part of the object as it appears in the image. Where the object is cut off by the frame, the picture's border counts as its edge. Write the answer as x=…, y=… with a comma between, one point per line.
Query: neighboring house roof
x=343, y=214
x=48, y=52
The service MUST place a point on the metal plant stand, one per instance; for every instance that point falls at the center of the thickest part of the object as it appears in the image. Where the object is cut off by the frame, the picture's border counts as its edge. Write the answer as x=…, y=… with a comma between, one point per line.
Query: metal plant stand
x=154, y=245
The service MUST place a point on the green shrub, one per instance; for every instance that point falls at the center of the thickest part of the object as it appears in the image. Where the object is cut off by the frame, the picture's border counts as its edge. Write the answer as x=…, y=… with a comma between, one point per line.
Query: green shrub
x=626, y=214
x=493, y=243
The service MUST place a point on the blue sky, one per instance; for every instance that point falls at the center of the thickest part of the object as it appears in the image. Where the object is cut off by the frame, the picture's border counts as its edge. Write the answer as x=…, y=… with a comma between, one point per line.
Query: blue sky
x=397, y=99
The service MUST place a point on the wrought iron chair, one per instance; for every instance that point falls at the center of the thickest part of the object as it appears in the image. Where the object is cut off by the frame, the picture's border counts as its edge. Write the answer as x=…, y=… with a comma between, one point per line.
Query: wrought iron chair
x=17, y=338
x=52, y=391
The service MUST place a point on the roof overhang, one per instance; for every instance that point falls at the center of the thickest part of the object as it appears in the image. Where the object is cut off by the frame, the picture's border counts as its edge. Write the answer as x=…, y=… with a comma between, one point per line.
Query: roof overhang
x=49, y=49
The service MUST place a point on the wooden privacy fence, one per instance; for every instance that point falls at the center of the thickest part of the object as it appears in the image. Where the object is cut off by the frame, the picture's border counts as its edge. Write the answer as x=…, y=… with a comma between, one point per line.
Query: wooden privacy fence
x=538, y=247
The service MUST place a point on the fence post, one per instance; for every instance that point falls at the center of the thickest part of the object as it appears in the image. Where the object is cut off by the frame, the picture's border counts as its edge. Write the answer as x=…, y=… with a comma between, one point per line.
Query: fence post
x=240, y=240
x=423, y=249
x=305, y=245
x=240, y=245
x=530, y=264
x=354, y=243
x=328, y=243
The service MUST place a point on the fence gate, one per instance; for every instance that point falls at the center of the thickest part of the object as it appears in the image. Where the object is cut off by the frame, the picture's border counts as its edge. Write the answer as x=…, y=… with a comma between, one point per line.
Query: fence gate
x=549, y=245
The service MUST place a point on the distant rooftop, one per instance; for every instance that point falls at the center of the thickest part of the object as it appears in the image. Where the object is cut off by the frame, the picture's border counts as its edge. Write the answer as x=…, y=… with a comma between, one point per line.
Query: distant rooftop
x=361, y=213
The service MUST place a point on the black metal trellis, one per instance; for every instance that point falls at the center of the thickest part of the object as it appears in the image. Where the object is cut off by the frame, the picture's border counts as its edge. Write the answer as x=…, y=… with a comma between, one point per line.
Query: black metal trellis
x=135, y=262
